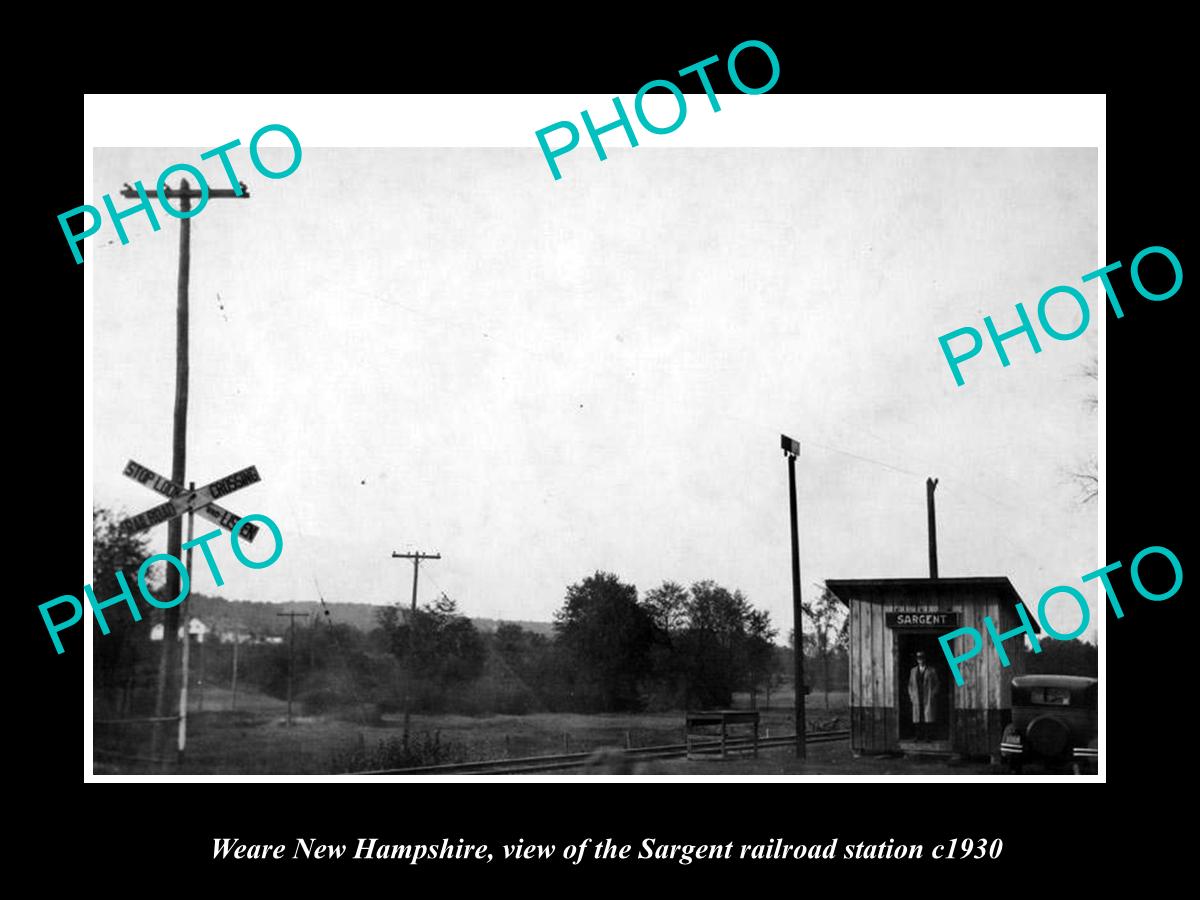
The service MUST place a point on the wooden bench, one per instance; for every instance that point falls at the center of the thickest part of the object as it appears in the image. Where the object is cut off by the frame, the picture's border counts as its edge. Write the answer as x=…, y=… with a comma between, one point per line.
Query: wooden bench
x=702, y=743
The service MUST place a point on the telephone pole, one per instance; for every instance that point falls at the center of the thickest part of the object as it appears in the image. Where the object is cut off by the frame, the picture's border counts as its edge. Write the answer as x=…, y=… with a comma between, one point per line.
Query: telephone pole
x=791, y=449
x=412, y=632
x=291, y=657
x=185, y=194
x=181, y=743
x=233, y=686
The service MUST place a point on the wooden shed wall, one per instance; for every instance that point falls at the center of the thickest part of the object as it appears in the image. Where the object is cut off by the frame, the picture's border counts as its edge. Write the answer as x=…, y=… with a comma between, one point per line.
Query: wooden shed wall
x=980, y=707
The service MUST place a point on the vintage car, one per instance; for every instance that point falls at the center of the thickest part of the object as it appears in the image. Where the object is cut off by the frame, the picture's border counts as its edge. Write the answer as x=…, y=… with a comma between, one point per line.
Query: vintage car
x=1053, y=722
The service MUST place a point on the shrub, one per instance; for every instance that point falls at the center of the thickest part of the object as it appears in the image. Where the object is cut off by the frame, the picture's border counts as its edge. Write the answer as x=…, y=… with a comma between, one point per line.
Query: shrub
x=315, y=701
x=422, y=749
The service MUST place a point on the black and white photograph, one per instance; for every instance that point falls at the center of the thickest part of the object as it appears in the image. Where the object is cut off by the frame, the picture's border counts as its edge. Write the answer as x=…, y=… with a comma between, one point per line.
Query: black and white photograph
x=745, y=455
x=659, y=469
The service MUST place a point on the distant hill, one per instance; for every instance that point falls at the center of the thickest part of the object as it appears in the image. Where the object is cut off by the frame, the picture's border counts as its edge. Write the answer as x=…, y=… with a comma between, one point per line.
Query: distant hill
x=488, y=625
x=261, y=618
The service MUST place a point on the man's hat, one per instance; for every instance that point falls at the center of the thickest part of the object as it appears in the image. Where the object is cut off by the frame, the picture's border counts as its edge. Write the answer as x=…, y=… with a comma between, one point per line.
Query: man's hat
x=920, y=654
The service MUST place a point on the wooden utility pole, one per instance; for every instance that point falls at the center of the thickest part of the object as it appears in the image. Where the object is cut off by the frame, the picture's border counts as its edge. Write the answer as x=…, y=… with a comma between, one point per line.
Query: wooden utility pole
x=312, y=643
x=236, y=641
x=183, y=686
x=791, y=450
x=291, y=658
x=412, y=633
x=185, y=194
x=930, y=485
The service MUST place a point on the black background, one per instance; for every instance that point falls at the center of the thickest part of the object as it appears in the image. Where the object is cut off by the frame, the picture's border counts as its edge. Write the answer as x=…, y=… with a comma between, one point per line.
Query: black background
x=118, y=830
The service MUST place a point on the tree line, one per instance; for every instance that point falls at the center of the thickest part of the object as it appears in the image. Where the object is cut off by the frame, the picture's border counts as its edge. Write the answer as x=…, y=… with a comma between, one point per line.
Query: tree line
x=610, y=650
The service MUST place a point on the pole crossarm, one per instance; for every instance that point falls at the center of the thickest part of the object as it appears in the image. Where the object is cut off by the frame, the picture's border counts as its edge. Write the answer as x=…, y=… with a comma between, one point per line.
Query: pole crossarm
x=170, y=192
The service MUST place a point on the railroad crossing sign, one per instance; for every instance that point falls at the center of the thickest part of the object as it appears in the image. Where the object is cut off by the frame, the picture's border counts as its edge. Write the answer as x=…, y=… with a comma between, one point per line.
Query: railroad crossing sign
x=199, y=501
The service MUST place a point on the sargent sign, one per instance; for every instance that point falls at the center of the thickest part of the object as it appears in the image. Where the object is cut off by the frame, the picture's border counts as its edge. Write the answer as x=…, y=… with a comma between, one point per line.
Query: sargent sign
x=922, y=620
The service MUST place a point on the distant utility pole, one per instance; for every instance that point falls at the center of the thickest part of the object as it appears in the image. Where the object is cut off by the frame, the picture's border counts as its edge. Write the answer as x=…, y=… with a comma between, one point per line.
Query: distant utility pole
x=791, y=449
x=185, y=194
x=291, y=657
x=412, y=632
x=312, y=633
x=233, y=679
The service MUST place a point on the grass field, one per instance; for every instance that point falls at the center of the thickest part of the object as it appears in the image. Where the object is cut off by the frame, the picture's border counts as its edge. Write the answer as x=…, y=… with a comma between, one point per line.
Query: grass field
x=254, y=738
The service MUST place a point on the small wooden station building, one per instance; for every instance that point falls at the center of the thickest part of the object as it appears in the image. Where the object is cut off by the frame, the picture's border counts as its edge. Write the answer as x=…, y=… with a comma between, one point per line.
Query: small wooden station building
x=893, y=618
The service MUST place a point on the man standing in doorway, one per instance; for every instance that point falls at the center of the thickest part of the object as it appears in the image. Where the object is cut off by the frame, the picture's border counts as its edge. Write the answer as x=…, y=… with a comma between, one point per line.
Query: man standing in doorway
x=923, y=690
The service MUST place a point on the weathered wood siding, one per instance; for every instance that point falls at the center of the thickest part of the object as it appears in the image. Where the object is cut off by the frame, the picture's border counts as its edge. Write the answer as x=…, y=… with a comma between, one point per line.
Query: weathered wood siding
x=979, y=708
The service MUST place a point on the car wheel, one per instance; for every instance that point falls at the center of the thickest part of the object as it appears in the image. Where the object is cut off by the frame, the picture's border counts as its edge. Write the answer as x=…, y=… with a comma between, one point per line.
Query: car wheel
x=1049, y=737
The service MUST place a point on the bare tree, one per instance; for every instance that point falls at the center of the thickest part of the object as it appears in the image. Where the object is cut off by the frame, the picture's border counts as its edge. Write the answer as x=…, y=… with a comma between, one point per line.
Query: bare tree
x=827, y=632
x=1092, y=371
x=1086, y=475
x=1088, y=483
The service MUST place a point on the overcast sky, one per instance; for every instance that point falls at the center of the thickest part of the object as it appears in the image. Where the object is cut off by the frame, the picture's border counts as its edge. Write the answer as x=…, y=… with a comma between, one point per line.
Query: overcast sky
x=447, y=350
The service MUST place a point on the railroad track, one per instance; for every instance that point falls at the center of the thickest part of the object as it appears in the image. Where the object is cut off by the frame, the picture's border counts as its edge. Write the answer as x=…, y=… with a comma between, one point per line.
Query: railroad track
x=533, y=764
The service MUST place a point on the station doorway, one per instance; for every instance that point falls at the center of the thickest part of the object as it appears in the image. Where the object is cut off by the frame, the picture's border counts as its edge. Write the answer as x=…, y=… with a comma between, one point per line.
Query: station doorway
x=908, y=644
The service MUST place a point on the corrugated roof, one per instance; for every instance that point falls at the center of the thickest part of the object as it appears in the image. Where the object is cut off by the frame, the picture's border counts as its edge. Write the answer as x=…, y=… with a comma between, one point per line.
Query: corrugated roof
x=877, y=590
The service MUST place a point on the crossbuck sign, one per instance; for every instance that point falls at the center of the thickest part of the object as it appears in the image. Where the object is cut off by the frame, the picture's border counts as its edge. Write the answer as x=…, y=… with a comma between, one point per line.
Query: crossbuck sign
x=181, y=500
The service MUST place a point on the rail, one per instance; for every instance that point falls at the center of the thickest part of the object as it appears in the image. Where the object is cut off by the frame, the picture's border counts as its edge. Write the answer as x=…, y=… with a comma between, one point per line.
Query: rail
x=532, y=764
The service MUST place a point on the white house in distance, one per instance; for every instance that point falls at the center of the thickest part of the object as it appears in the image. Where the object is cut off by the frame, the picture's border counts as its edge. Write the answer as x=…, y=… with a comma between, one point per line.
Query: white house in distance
x=196, y=629
x=240, y=637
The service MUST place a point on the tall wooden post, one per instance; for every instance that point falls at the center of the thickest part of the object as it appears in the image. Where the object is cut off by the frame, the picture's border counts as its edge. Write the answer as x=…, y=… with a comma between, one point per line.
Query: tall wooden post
x=412, y=634
x=199, y=680
x=291, y=660
x=236, y=641
x=791, y=450
x=930, y=485
x=291, y=667
x=187, y=640
x=166, y=663
x=412, y=651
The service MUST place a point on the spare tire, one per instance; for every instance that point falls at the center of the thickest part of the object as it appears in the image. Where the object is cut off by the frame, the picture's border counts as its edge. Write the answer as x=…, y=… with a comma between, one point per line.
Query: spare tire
x=1048, y=737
